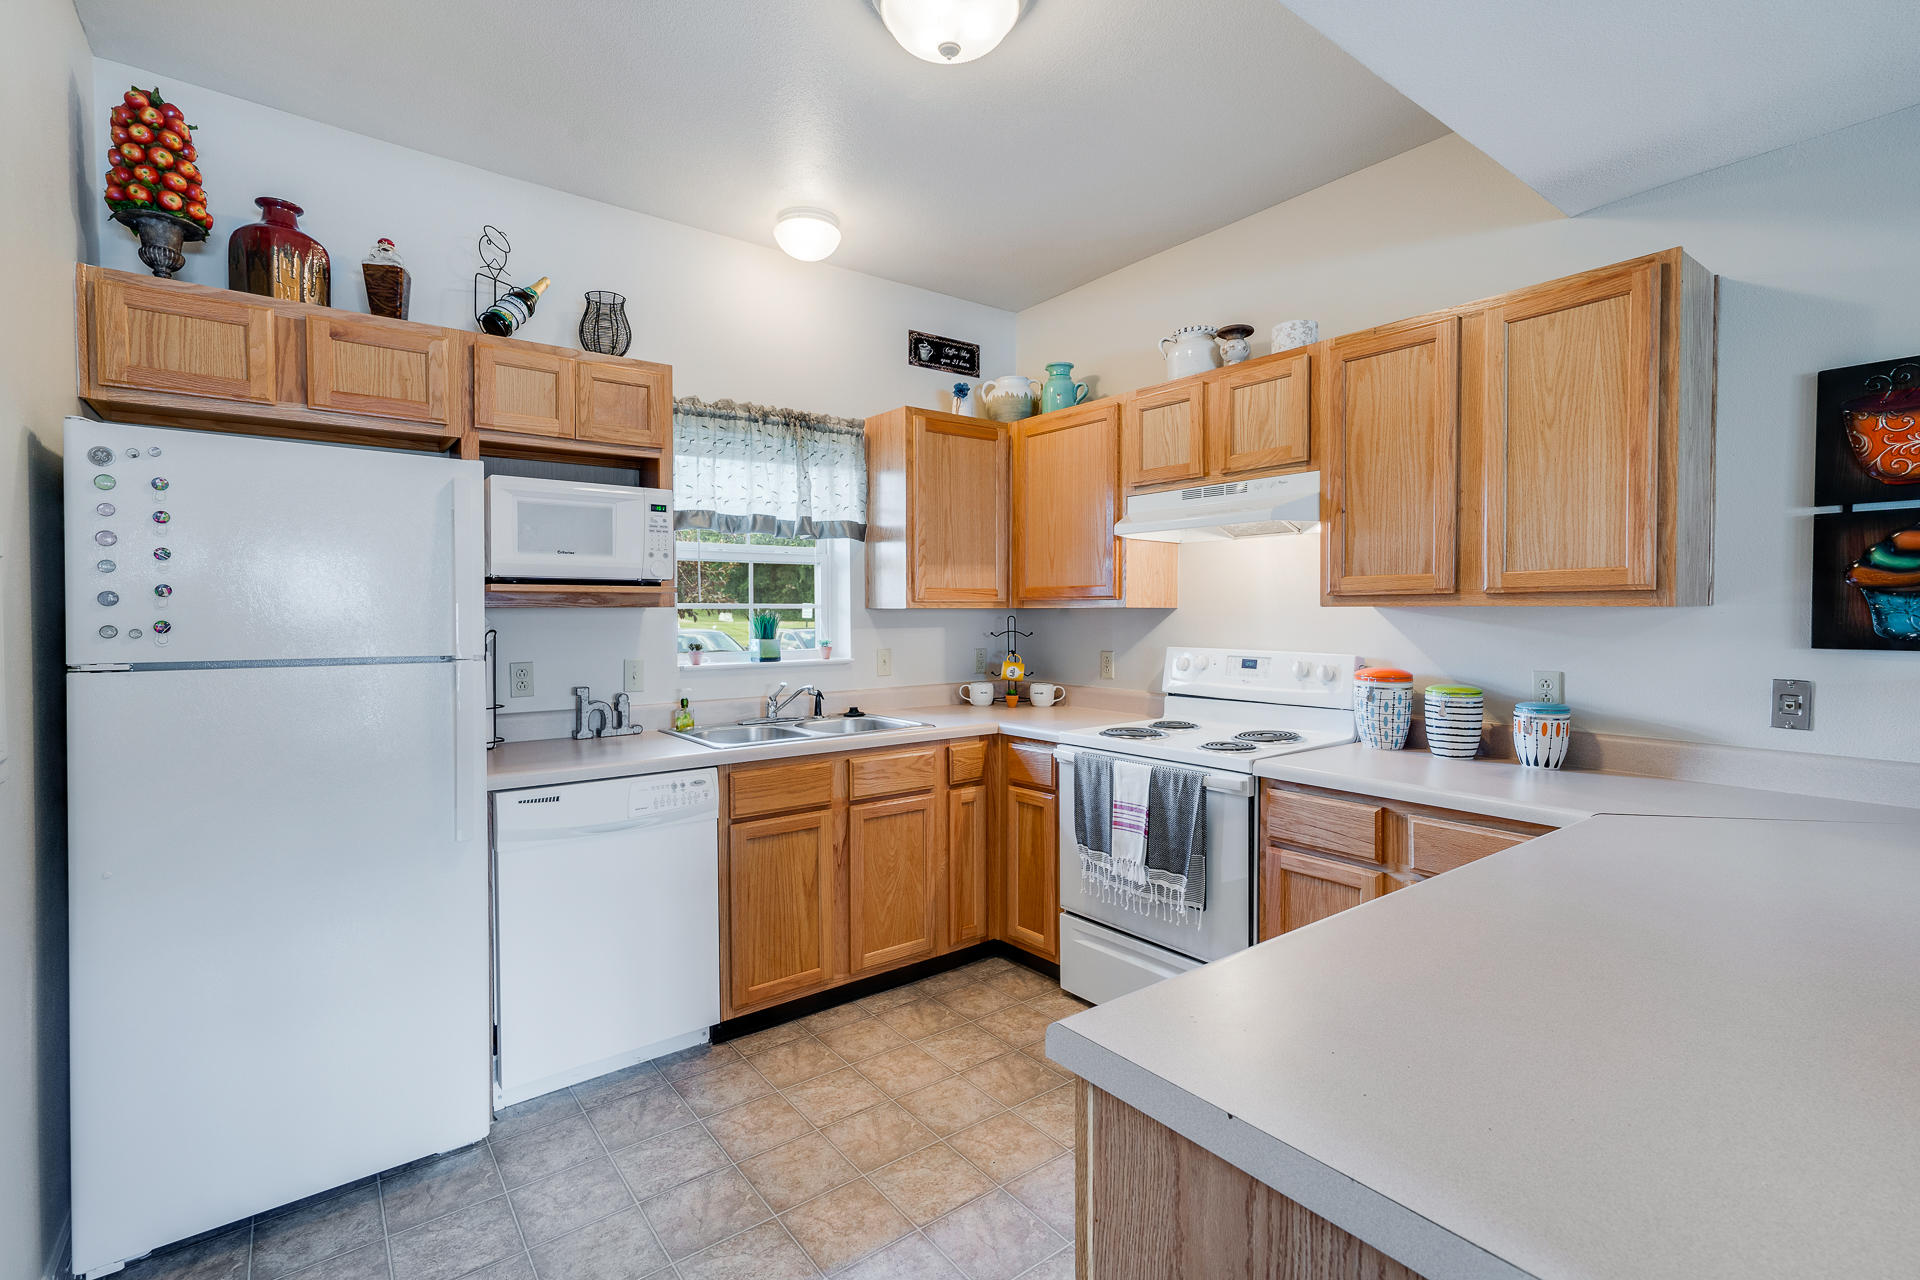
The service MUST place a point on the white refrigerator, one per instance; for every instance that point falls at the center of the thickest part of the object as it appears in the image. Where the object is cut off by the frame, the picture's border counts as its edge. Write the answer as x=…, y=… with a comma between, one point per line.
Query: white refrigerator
x=277, y=824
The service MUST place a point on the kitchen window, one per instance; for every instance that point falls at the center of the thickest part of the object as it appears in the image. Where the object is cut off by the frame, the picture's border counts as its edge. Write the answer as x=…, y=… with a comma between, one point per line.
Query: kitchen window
x=724, y=578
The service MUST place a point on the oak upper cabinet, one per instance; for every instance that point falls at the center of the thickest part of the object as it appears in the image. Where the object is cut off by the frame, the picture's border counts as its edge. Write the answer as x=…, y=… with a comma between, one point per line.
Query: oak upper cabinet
x=1390, y=460
x=1066, y=498
x=523, y=388
x=1259, y=417
x=938, y=510
x=1300, y=888
x=624, y=402
x=170, y=338
x=1572, y=434
x=386, y=368
x=892, y=873
x=780, y=905
x=1165, y=435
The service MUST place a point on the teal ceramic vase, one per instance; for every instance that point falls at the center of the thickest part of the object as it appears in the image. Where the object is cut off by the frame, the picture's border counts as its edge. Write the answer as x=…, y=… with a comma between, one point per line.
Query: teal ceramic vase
x=1060, y=390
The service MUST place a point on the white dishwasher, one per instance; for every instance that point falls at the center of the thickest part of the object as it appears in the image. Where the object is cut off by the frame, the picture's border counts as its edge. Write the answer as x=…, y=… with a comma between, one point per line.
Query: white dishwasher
x=606, y=909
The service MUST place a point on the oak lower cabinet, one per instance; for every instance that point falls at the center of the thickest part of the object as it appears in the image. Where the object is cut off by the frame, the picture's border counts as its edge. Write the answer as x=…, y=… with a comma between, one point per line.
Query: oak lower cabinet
x=893, y=857
x=1322, y=851
x=1066, y=500
x=938, y=511
x=969, y=827
x=1033, y=871
x=1247, y=419
x=780, y=906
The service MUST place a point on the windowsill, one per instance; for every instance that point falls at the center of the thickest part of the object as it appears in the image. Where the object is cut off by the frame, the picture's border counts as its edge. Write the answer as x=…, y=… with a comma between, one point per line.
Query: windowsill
x=708, y=667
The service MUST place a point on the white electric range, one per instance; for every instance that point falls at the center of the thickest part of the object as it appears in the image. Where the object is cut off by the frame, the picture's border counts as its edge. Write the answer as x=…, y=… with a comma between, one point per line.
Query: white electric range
x=1224, y=711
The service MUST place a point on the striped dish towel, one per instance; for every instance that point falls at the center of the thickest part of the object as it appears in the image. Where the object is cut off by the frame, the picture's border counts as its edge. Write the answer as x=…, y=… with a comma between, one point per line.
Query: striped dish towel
x=1131, y=782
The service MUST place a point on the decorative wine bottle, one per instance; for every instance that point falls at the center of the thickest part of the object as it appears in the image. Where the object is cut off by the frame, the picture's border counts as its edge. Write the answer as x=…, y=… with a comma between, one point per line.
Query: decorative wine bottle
x=513, y=308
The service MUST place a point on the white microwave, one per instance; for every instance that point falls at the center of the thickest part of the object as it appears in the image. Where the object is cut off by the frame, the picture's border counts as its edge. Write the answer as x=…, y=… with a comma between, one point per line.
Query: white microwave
x=568, y=531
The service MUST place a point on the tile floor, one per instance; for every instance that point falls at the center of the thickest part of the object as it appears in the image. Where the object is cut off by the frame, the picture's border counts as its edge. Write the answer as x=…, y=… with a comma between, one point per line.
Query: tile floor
x=917, y=1133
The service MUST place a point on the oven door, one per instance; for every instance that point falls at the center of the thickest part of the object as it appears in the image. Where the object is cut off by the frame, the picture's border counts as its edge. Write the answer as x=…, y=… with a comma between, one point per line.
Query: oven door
x=1226, y=926
x=568, y=531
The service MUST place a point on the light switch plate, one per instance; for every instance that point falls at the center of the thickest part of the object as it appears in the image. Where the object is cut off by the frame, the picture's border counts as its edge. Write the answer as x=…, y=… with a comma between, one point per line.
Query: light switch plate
x=519, y=679
x=634, y=676
x=1793, y=704
x=883, y=662
x=979, y=662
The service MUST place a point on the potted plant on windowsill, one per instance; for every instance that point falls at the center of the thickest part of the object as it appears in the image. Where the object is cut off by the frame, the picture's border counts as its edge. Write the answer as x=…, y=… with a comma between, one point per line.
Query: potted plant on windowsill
x=766, y=635
x=695, y=651
x=826, y=651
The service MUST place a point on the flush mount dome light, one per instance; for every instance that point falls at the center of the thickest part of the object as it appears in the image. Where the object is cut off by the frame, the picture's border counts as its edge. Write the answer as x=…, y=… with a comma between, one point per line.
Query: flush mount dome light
x=949, y=31
x=807, y=234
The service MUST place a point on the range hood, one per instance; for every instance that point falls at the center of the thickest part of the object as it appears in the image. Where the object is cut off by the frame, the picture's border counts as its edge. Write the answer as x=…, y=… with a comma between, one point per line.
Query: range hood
x=1234, y=509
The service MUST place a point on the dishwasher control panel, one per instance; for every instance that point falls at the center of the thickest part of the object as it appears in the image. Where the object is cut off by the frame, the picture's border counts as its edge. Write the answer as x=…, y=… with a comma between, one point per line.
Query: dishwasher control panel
x=673, y=792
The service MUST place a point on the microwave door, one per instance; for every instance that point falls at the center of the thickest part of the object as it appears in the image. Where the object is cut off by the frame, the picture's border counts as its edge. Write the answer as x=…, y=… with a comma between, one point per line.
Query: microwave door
x=565, y=531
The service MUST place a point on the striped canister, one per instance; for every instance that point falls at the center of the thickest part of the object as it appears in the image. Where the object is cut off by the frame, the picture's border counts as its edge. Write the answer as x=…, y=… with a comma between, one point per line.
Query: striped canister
x=1382, y=707
x=1541, y=732
x=1454, y=712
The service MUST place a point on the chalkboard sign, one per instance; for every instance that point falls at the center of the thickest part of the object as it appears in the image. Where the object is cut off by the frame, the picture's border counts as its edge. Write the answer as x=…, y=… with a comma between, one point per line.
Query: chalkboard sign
x=931, y=352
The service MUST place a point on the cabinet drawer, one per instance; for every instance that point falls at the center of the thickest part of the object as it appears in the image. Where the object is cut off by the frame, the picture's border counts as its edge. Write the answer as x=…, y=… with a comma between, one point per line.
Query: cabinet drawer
x=891, y=773
x=1030, y=764
x=780, y=788
x=1325, y=825
x=1435, y=845
x=966, y=762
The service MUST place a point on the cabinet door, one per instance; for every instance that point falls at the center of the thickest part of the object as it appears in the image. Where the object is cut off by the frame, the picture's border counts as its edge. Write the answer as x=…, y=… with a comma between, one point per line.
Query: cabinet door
x=1299, y=888
x=158, y=339
x=389, y=369
x=627, y=403
x=1258, y=417
x=1164, y=439
x=892, y=854
x=1066, y=497
x=966, y=865
x=779, y=905
x=1392, y=452
x=1573, y=435
x=1033, y=872
x=959, y=504
x=522, y=388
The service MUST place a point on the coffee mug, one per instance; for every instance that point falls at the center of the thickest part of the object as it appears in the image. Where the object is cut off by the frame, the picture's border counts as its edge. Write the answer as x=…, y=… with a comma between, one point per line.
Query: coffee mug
x=979, y=693
x=1046, y=695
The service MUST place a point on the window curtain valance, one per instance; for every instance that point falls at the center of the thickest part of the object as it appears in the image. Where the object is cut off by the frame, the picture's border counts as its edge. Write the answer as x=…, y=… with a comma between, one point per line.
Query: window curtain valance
x=750, y=468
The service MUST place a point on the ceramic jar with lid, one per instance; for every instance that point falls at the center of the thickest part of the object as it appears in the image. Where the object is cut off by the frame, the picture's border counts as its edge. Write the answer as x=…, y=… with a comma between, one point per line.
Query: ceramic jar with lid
x=1382, y=707
x=1454, y=713
x=1191, y=350
x=1541, y=733
x=1234, y=347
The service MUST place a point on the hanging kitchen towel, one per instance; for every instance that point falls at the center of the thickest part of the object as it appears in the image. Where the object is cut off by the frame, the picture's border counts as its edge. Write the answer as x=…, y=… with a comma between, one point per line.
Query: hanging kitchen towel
x=1131, y=781
x=1176, y=856
x=1093, y=804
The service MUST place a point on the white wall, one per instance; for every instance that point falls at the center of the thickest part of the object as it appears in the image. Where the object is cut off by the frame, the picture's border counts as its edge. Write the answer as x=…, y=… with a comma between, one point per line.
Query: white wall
x=734, y=320
x=1815, y=248
x=44, y=92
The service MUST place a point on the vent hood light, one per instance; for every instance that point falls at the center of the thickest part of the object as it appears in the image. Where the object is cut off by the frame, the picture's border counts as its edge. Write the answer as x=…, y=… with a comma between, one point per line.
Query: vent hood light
x=1261, y=508
x=807, y=234
x=949, y=31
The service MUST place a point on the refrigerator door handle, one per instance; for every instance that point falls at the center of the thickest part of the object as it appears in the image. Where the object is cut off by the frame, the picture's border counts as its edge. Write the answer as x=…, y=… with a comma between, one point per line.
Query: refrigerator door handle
x=469, y=566
x=469, y=755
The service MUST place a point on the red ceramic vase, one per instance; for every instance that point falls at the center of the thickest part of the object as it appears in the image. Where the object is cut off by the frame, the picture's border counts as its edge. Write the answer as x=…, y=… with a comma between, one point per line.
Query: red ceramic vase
x=276, y=259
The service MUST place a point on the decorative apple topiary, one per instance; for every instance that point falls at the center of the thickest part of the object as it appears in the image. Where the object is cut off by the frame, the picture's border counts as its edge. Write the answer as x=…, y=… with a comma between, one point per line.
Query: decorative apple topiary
x=154, y=186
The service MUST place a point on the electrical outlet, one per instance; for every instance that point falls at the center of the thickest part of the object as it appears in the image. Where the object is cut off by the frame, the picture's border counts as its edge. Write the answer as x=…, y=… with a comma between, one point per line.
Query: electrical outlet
x=979, y=662
x=883, y=662
x=634, y=676
x=1793, y=704
x=1106, y=664
x=520, y=679
x=1549, y=686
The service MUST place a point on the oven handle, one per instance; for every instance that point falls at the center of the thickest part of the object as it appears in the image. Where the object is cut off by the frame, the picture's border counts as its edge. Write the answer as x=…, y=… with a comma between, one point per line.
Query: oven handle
x=1230, y=784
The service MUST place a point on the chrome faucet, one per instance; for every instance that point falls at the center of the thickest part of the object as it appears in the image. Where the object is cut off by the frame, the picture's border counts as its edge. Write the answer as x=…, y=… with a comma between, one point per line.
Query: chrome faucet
x=776, y=704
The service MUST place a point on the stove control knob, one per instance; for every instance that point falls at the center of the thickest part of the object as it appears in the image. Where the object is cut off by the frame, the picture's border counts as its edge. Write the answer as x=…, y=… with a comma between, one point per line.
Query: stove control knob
x=1302, y=668
x=1326, y=673
x=1183, y=663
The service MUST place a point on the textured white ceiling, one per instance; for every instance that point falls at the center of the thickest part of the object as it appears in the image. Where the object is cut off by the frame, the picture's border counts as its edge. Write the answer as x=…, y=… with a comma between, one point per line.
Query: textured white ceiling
x=1588, y=102
x=1100, y=132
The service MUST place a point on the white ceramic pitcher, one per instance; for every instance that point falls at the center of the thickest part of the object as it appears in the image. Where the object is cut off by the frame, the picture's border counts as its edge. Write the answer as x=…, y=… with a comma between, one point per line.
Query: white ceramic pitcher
x=1193, y=351
x=1008, y=398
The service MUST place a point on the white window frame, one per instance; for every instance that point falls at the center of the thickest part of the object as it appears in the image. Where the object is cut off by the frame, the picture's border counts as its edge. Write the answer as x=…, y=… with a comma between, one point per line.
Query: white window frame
x=829, y=558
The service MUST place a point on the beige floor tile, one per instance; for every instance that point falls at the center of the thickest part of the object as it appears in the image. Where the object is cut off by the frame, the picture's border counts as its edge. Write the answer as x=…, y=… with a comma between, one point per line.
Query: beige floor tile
x=757, y=1126
x=846, y=1224
x=974, y=1000
x=696, y=1214
x=766, y=1252
x=618, y=1248
x=1005, y=1146
x=698, y=1060
x=1012, y=1078
x=827, y=1098
x=652, y=1166
x=903, y=1070
x=1058, y=1267
x=614, y=1084
x=964, y=1046
x=761, y=1041
x=911, y=1257
x=940, y=983
x=827, y=1019
x=1058, y=1005
x=796, y=1060
x=1022, y=984
x=950, y=1105
x=1052, y=1113
x=918, y=1019
x=887, y=999
x=992, y=964
x=1017, y=1024
x=932, y=1181
x=994, y=1238
x=862, y=1039
x=878, y=1135
x=797, y=1172
x=1048, y=1191
x=639, y=1116
x=724, y=1087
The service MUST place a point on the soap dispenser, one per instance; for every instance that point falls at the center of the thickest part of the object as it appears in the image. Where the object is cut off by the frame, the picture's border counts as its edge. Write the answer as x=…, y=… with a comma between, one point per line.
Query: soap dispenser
x=683, y=714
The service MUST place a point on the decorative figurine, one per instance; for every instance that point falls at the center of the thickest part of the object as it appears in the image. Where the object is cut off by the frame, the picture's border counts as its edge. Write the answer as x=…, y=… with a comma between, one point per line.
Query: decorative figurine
x=153, y=186
x=389, y=284
x=276, y=259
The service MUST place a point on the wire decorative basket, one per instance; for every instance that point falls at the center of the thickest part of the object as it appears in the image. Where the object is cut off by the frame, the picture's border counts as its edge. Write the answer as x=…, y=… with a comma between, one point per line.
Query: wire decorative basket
x=603, y=325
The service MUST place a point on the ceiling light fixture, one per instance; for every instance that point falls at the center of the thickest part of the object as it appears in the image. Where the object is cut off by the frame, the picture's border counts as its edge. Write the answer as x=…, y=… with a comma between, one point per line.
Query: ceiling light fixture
x=949, y=31
x=807, y=234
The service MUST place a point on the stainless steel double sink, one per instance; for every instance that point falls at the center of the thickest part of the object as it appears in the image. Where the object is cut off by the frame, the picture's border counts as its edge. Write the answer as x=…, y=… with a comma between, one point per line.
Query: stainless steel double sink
x=740, y=735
